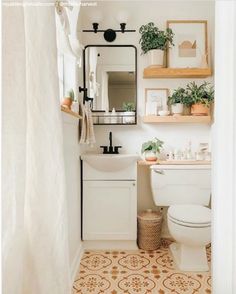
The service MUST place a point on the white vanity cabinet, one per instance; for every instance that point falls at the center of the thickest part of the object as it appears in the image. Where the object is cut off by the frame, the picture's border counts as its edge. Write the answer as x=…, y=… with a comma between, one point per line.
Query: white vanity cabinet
x=109, y=203
x=109, y=210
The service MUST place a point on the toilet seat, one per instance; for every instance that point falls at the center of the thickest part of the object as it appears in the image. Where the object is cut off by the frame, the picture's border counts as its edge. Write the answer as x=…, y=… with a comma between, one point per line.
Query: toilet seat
x=191, y=225
x=195, y=216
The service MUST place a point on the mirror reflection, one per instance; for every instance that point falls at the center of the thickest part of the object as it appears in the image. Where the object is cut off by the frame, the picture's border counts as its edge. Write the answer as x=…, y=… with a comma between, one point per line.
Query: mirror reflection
x=110, y=77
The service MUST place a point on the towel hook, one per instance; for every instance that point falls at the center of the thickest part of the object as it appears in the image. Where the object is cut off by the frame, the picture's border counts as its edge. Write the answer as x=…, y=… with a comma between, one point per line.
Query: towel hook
x=86, y=98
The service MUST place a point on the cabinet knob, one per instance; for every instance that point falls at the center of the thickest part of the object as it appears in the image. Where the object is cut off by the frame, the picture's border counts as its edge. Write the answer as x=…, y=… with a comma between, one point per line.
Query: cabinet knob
x=134, y=184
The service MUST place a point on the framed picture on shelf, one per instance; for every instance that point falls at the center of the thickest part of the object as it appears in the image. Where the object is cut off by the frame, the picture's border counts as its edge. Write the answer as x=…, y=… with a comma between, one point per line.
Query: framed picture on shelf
x=155, y=100
x=190, y=48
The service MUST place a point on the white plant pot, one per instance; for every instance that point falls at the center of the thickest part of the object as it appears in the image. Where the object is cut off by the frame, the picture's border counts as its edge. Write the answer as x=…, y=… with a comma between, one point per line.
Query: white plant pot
x=177, y=108
x=156, y=58
x=129, y=117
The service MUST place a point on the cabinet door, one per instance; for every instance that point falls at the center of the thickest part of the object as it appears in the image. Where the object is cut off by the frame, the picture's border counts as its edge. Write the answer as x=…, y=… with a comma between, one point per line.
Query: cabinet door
x=109, y=210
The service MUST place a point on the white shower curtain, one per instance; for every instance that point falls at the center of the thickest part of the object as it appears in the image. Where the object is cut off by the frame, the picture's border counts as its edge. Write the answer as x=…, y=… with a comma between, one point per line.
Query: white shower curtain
x=35, y=249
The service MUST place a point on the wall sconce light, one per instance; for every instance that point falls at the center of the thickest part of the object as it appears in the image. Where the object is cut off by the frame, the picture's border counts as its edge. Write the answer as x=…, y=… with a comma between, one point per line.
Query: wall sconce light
x=95, y=27
x=110, y=34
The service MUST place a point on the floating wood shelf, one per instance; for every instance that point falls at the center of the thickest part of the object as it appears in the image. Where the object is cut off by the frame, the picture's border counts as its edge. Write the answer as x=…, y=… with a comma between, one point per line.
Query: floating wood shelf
x=70, y=112
x=153, y=119
x=174, y=73
x=174, y=162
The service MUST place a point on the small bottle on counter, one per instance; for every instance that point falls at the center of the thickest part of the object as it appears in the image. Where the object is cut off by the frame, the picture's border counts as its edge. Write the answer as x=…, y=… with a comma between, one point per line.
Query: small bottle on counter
x=189, y=151
x=113, y=116
x=169, y=156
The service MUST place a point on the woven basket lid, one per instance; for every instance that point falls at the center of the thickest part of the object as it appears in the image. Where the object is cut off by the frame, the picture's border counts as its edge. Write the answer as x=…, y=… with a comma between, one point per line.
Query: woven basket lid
x=150, y=215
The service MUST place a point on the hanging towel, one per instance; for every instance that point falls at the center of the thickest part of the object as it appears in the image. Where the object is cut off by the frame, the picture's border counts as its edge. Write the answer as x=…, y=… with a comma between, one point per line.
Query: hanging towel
x=87, y=133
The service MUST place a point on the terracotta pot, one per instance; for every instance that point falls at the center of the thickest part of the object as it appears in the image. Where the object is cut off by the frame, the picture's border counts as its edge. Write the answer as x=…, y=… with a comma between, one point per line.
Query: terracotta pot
x=156, y=58
x=150, y=155
x=67, y=102
x=199, y=109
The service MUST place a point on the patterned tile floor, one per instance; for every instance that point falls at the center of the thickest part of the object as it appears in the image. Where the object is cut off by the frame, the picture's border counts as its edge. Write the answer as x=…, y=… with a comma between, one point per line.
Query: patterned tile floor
x=137, y=272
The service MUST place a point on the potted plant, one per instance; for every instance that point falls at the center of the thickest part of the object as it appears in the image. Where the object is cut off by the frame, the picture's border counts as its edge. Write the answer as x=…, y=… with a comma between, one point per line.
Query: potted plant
x=129, y=115
x=68, y=99
x=187, y=102
x=155, y=42
x=151, y=149
x=176, y=101
x=201, y=97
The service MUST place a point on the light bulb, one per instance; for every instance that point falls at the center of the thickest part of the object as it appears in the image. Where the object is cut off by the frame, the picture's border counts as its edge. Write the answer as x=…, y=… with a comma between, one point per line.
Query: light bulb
x=95, y=16
x=122, y=16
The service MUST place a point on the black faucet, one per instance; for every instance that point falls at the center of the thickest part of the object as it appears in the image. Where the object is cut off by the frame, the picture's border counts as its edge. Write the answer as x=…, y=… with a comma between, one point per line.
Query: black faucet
x=110, y=139
x=110, y=149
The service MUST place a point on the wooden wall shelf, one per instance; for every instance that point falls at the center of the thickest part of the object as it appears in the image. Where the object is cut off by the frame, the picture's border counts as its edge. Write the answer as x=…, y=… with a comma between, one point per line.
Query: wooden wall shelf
x=174, y=73
x=177, y=119
x=70, y=112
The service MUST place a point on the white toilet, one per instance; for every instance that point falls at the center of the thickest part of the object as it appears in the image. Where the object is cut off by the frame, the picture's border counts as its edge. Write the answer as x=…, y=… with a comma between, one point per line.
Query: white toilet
x=186, y=189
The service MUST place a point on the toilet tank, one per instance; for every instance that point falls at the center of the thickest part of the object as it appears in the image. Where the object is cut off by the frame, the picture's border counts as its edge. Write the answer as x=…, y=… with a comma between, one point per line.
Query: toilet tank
x=181, y=184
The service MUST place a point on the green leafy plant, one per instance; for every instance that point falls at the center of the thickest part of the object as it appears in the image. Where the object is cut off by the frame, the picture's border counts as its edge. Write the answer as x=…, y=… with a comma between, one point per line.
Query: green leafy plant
x=128, y=106
x=178, y=96
x=203, y=94
x=71, y=94
x=152, y=145
x=153, y=38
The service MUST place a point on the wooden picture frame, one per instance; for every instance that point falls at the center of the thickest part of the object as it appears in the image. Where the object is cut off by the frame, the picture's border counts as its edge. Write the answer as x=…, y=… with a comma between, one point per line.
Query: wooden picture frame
x=155, y=100
x=191, y=44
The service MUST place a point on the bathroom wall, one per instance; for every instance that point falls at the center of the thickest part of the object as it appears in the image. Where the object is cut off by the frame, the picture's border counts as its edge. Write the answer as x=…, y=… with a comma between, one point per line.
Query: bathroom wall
x=70, y=76
x=72, y=173
x=132, y=137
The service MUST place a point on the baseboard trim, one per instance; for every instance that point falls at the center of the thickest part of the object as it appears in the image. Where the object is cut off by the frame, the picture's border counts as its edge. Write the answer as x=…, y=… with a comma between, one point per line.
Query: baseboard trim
x=110, y=245
x=76, y=262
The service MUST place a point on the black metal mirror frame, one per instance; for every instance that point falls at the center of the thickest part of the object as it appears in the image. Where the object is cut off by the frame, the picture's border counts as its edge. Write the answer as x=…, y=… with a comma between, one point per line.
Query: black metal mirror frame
x=84, y=89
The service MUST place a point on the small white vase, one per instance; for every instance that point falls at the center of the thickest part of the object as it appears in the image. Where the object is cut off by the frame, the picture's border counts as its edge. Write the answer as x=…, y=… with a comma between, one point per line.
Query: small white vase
x=156, y=58
x=177, y=109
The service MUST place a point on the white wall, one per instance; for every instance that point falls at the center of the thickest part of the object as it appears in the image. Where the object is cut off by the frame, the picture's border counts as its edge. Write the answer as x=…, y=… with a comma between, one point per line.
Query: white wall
x=132, y=137
x=72, y=172
x=70, y=77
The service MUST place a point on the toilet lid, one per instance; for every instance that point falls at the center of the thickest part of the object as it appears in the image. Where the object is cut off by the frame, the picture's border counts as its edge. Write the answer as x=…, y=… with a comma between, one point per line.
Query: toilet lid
x=190, y=214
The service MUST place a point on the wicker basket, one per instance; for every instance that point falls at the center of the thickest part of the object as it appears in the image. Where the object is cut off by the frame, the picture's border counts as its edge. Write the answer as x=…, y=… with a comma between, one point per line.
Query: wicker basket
x=149, y=229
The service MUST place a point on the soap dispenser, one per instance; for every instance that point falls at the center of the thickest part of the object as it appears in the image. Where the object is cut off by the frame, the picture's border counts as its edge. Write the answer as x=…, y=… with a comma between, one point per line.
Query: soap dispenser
x=113, y=116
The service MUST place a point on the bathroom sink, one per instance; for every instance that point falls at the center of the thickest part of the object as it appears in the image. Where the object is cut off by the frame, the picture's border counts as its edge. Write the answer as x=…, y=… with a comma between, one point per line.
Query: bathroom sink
x=110, y=162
